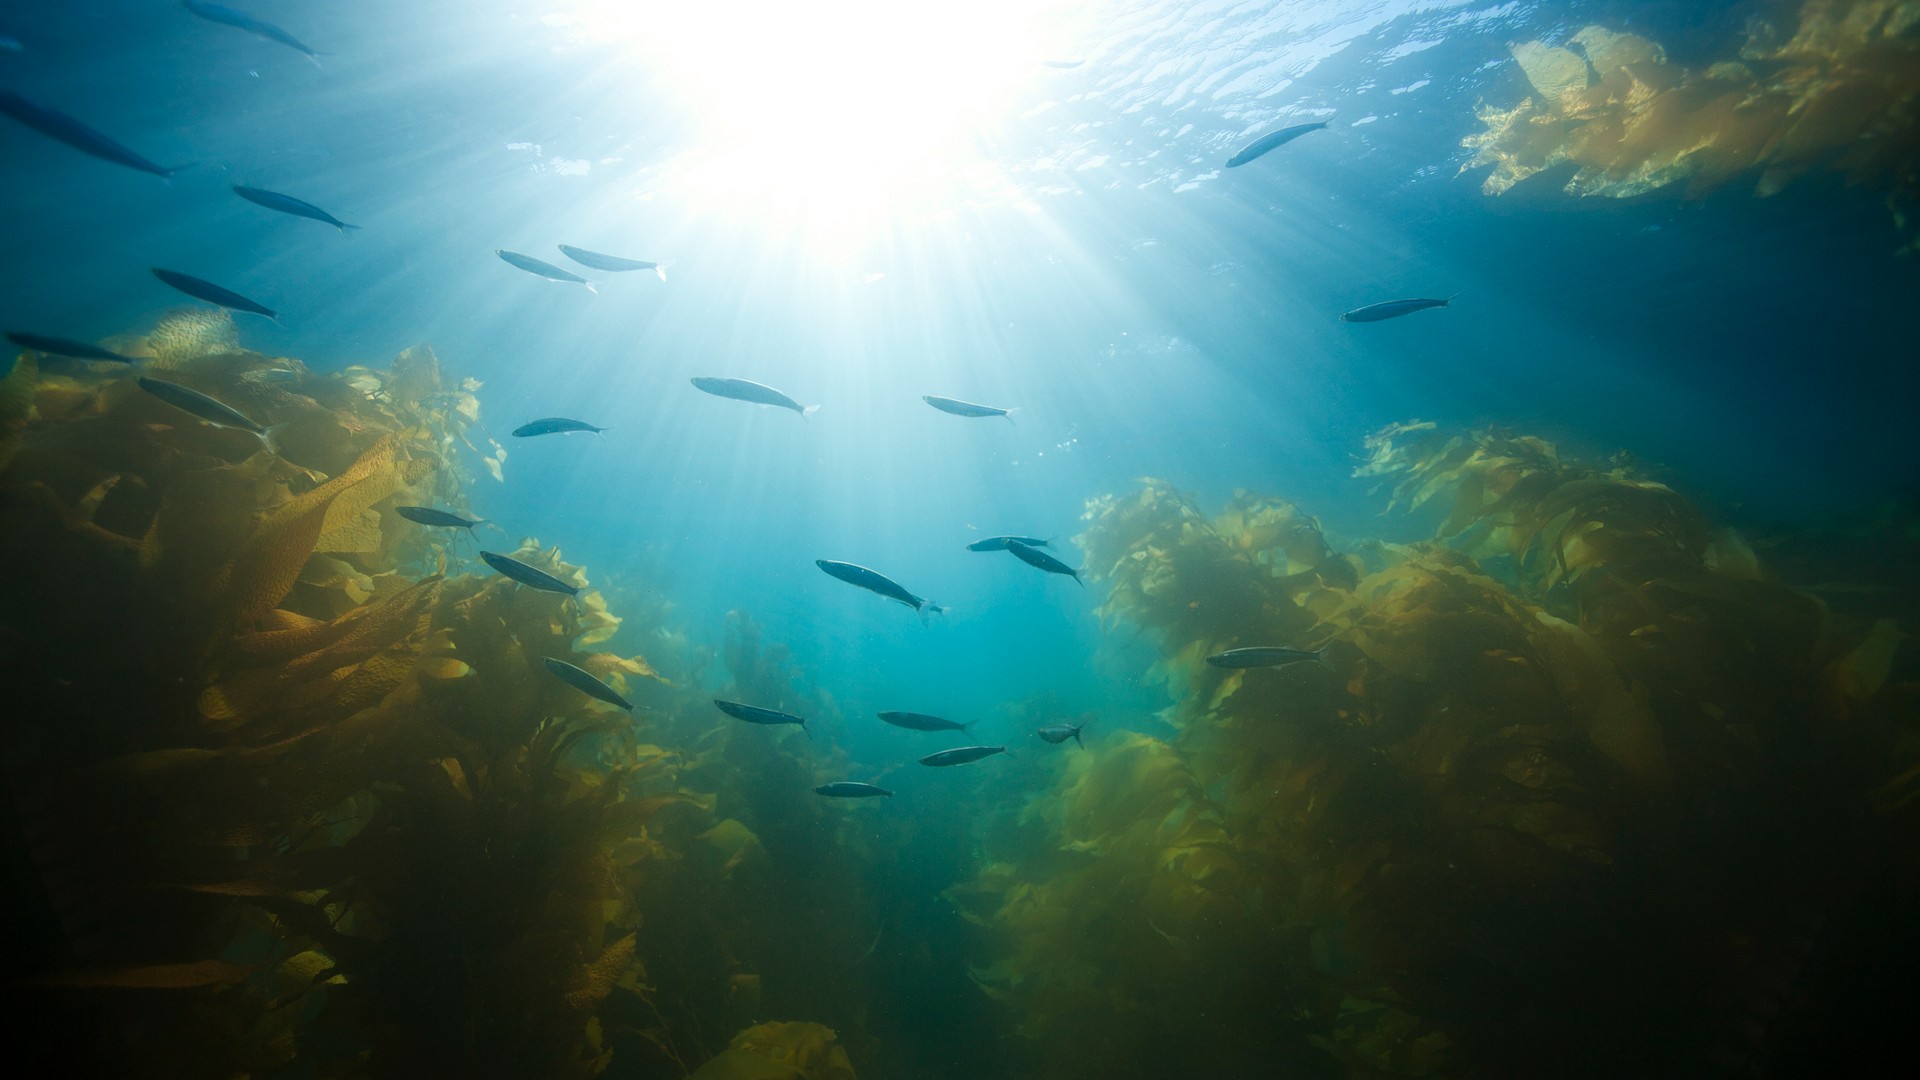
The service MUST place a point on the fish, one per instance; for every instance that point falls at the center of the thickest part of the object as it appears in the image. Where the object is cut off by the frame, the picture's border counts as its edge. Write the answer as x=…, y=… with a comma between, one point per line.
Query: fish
x=613, y=264
x=754, y=714
x=1034, y=557
x=876, y=582
x=543, y=269
x=585, y=682
x=287, y=204
x=427, y=515
x=1059, y=733
x=999, y=543
x=966, y=408
x=214, y=412
x=962, y=755
x=240, y=20
x=553, y=425
x=78, y=350
x=1271, y=141
x=1392, y=309
x=1266, y=656
x=852, y=789
x=57, y=125
x=744, y=390
x=213, y=294
x=916, y=721
x=531, y=576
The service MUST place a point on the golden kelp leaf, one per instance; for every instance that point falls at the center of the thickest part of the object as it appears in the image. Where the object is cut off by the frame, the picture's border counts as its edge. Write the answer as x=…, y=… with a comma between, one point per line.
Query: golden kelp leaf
x=1862, y=672
x=443, y=667
x=733, y=840
x=1619, y=724
x=213, y=973
x=594, y=982
x=1553, y=72
x=783, y=1050
x=267, y=567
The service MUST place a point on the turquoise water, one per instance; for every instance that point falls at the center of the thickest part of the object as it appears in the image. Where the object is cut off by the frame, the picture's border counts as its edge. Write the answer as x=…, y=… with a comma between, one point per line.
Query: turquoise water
x=861, y=204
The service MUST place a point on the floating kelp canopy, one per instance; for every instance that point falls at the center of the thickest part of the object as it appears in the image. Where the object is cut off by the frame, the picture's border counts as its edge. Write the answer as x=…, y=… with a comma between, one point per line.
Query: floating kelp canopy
x=1833, y=90
x=1563, y=799
x=297, y=793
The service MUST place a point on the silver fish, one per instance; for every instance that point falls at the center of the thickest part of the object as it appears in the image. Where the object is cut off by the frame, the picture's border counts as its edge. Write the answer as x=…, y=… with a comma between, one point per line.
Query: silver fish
x=915, y=721
x=287, y=204
x=1392, y=309
x=446, y=519
x=542, y=269
x=876, y=582
x=1254, y=656
x=55, y=124
x=962, y=755
x=852, y=789
x=213, y=294
x=240, y=20
x=999, y=543
x=1059, y=733
x=746, y=390
x=79, y=350
x=214, y=412
x=554, y=425
x=754, y=714
x=612, y=264
x=1271, y=141
x=965, y=408
x=585, y=682
x=1034, y=557
x=531, y=576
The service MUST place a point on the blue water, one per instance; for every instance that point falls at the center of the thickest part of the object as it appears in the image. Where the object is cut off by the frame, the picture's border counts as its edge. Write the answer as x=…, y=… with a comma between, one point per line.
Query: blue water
x=1148, y=313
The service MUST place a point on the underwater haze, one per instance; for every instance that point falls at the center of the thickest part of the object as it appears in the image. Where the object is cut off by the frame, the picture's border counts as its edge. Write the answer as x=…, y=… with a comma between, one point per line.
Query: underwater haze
x=475, y=474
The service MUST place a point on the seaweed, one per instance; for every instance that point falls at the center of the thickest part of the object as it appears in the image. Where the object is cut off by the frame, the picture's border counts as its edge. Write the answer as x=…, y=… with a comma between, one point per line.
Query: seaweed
x=1836, y=94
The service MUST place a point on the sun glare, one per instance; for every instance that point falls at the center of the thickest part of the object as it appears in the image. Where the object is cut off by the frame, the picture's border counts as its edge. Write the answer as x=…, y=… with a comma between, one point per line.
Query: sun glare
x=828, y=113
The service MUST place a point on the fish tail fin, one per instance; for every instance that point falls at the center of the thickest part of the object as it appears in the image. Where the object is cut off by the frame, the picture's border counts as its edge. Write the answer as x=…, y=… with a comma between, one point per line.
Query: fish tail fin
x=1009, y=415
x=270, y=438
x=1320, y=657
x=968, y=726
x=804, y=731
x=1077, y=580
x=344, y=227
x=590, y=288
x=660, y=272
x=809, y=411
x=169, y=172
x=927, y=608
x=1449, y=300
x=1076, y=738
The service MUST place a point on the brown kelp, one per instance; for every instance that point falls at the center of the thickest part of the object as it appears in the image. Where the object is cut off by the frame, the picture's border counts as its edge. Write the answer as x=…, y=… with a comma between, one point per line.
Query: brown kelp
x=298, y=787
x=1834, y=90
x=1560, y=801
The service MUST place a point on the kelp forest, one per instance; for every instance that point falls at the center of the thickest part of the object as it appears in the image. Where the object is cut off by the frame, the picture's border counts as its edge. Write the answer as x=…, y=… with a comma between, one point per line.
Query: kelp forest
x=1594, y=781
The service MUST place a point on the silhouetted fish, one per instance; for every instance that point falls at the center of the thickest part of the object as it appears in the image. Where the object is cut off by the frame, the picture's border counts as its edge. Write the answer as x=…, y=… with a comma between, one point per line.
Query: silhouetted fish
x=213, y=294
x=54, y=346
x=584, y=681
x=965, y=408
x=55, y=124
x=240, y=20
x=874, y=581
x=851, y=789
x=746, y=390
x=531, y=576
x=217, y=413
x=287, y=204
x=922, y=722
x=962, y=755
x=1059, y=733
x=999, y=543
x=1265, y=656
x=613, y=264
x=446, y=519
x=1270, y=141
x=1391, y=309
x=554, y=425
x=754, y=714
x=543, y=269
x=1034, y=557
